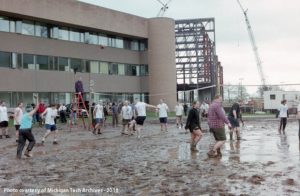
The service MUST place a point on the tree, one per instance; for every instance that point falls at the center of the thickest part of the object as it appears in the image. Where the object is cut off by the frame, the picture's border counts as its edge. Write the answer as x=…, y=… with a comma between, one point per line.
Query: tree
x=235, y=92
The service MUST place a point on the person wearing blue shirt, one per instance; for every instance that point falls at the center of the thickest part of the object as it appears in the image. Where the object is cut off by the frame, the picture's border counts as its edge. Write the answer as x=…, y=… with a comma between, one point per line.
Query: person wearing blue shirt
x=25, y=132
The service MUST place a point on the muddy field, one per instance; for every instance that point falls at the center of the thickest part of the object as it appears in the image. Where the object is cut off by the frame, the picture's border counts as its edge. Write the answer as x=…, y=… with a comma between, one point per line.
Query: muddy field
x=160, y=163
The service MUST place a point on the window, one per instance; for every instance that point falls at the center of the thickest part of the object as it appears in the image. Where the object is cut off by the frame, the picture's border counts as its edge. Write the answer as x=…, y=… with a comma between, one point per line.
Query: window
x=127, y=43
x=42, y=62
x=113, y=69
x=121, y=69
x=28, y=61
x=142, y=46
x=53, y=63
x=27, y=27
x=103, y=68
x=41, y=30
x=94, y=66
x=75, y=36
x=5, y=59
x=93, y=38
x=119, y=43
x=103, y=40
x=4, y=24
x=272, y=97
x=111, y=42
x=134, y=45
x=12, y=26
x=54, y=32
x=144, y=70
x=63, y=33
x=63, y=64
x=76, y=65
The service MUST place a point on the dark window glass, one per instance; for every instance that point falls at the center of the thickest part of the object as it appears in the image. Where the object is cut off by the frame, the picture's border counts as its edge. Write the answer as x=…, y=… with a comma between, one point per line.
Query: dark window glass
x=127, y=44
x=63, y=33
x=76, y=65
x=134, y=70
x=64, y=64
x=41, y=30
x=53, y=63
x=4, y=24
x=27, y=27
x=134, y=45
x=272, y=97
x=5, y=59
x=128, y=70
x=42, y=62
x=28, y=61
x=113, y=69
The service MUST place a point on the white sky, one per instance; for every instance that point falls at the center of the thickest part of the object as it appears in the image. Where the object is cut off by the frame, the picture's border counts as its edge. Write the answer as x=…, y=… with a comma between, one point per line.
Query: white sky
x=275, y=23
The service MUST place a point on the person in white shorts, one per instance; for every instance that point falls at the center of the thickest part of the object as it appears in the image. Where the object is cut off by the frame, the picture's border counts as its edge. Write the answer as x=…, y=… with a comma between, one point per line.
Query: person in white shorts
x=99, y=117
x=3, y=120
x=50, y=114
x=126, y=113
x=18, y=113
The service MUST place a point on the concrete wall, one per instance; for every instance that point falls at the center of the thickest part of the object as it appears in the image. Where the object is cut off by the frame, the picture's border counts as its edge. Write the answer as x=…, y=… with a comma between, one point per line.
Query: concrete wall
x=161, y=59
x=78, y=14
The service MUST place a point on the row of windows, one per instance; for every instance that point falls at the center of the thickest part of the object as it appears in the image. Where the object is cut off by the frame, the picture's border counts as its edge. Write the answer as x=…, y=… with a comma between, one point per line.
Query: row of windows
x=39, y=29
x=41, y=62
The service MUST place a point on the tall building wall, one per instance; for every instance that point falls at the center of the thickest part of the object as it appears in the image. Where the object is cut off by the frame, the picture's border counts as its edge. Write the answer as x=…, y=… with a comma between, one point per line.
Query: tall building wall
x=161, y=53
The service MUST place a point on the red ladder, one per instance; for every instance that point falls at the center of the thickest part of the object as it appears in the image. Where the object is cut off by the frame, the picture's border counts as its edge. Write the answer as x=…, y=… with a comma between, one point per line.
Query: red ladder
x=78, y=105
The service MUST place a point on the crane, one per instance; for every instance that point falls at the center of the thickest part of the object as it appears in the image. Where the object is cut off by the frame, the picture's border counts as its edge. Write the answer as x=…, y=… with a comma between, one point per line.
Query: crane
x=254, y=47
x=164, y=8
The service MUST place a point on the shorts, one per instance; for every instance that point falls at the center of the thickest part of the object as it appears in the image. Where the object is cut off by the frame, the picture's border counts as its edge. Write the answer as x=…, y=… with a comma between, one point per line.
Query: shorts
x=98, y=120
x=50, y=127
x=219, y=133
x=163, y=120
x=193, y=128
x=179, y=116
x=17, y=127
x=3, y=124
x=234, y=122
x=140, y=120
x=125, y=121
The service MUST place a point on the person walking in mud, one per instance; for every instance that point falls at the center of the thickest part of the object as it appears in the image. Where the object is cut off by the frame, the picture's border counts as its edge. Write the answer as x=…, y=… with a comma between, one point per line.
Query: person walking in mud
x=141, y=115
x=283, y=115
x=3, y=120
x=126, y=113
x=99, y=117
x=163, y=110
x=50, y=114
x=179, y=112
x=193, y=124
x=234, y=117
x=216, y=119
x=25, y=132
x=18, y=113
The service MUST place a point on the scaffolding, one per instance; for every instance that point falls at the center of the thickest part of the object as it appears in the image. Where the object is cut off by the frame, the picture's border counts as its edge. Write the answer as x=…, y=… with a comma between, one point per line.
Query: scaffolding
x=197, y=64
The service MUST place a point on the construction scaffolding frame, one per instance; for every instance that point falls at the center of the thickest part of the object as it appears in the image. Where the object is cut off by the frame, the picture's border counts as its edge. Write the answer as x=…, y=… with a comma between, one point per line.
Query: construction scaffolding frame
x=197, y=64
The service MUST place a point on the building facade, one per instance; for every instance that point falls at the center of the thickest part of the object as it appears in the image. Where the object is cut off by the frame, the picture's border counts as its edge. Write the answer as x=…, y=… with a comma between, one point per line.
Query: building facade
x=46, y=45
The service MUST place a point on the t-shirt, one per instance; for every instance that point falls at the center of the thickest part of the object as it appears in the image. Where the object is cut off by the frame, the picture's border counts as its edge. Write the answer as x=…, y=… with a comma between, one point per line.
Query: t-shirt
x=50, y=116
x=62, y=108
x=98, y=111
x=235, y=107
x=140, y=108
x=17, y=119
x=283, y=110
x=162, y=110
x=26, y=121
x=179, y=110
x=3, y=114
x=126, y=112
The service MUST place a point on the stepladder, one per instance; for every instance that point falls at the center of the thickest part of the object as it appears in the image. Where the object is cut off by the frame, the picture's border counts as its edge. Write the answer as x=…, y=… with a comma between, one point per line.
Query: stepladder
x=78, y=112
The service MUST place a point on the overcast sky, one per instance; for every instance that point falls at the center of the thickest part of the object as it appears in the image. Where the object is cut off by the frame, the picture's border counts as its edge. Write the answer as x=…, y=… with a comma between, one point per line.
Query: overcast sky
x=275, y=23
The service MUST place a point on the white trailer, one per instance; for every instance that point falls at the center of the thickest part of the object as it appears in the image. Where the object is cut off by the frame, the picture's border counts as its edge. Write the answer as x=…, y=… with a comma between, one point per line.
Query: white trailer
x=272, y=99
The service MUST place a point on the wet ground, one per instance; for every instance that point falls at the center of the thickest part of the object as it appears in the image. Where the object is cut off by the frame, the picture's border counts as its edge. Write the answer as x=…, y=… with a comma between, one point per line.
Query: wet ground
x=160, y=163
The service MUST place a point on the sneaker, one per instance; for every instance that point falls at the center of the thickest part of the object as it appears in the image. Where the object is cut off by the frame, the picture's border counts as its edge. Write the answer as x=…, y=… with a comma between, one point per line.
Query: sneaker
x=55, y=143
x=27, y=154
x=7, y=136
x=99, y=132
x=212, y=154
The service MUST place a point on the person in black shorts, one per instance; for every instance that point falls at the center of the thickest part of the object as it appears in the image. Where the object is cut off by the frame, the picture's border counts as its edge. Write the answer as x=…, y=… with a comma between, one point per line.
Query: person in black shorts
x=234, y=117
x=193, y=124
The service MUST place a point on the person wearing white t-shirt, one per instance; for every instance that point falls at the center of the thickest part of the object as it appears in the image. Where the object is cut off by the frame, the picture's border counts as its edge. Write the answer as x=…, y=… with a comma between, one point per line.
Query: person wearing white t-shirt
x=3, y=120
x=140, y=108
x=50, y=114
x=283, y=115
x=18, y=113
x=298, y=117
x=163, y=115
x=126, y=113
x=62, y=113
x=98, y=116
x=179, y=112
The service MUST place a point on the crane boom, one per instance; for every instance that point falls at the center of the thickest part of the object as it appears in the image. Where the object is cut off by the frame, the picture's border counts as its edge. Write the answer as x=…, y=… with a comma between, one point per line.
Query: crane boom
x=254, y=47
x=163, y=9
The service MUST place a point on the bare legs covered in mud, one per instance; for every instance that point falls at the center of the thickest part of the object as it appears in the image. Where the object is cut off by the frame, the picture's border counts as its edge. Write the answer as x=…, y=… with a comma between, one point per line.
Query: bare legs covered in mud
x=196, y=135
x=237, y=133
